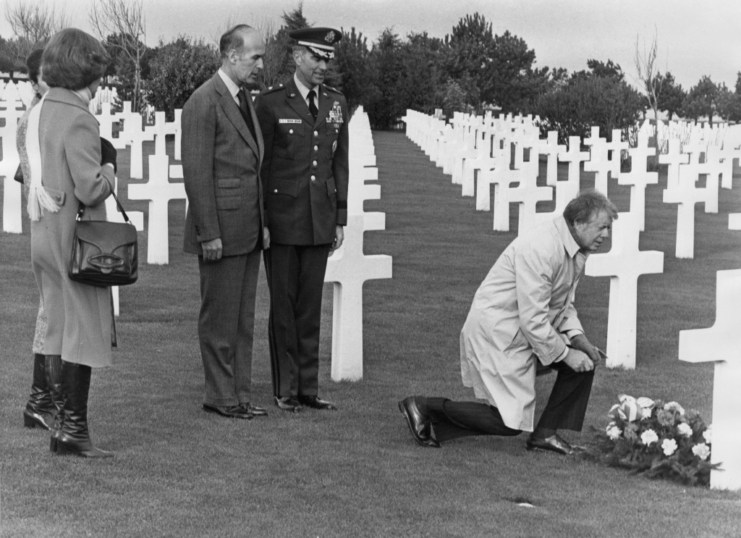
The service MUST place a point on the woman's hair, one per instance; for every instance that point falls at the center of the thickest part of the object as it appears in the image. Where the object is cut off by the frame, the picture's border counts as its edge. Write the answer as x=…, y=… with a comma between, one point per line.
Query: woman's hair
x=33, y=63
x=589, y=202
x=73, y=59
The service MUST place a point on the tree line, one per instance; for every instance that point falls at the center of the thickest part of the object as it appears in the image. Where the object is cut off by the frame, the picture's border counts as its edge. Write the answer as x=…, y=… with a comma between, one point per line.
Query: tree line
x=470, y=70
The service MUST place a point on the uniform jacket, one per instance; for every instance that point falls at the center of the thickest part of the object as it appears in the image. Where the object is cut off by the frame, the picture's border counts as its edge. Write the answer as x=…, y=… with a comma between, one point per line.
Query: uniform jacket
x=520, y=315
x=221, y=170
x=305, y=169
x=79, y=316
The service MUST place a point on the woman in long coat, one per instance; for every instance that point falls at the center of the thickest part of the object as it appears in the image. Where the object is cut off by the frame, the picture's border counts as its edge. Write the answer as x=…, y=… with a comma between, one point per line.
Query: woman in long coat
x=39, y=410
x=67, y=173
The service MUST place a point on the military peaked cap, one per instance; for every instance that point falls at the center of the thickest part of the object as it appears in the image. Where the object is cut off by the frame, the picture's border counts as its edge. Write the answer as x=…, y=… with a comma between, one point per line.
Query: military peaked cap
x=320, y=41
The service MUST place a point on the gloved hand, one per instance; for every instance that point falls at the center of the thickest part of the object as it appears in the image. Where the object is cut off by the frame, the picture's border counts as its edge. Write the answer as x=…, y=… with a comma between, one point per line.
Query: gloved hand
x=108, y=153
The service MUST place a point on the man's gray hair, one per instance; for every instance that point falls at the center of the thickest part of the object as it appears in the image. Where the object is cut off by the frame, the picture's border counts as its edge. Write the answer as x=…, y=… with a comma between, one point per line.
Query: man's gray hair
x=232, y=39
x=589, y=202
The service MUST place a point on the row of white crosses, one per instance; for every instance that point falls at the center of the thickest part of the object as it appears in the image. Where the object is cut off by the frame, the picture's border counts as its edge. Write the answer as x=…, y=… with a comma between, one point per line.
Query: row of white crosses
x=349, y=268
x=12, y=109
x=625, y=262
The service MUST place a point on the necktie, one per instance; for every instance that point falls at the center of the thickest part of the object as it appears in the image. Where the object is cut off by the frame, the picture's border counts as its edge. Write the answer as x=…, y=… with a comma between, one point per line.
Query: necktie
x=244, y=109
x=312, y=105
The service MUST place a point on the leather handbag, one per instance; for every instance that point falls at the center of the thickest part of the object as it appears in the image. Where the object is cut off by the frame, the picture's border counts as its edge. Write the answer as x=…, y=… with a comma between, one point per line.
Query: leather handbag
x=104, y=253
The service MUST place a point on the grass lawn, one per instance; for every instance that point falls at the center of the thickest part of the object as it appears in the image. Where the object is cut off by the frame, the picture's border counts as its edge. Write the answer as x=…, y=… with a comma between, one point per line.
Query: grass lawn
x=179, y=472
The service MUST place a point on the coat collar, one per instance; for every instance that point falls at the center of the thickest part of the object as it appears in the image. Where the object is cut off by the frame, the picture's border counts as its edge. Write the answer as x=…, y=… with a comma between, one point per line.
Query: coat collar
x=231, y=110
x=68, y=97
x=298, y=103
x=569, y=243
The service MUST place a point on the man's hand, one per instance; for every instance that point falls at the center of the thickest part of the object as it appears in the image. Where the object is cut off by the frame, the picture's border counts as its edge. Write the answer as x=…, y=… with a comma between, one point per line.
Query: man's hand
x=211, y=250
x=339, y=236
x=581, y=343
x=265, y=238
x=578, y=361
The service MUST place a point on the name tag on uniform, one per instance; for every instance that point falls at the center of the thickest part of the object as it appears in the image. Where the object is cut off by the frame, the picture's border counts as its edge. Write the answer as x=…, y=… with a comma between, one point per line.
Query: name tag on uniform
x=288, y=121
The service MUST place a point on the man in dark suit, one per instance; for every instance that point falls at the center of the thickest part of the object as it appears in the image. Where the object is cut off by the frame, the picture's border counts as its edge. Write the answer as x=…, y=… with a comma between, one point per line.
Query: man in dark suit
x=225, y=226
x=305, y=174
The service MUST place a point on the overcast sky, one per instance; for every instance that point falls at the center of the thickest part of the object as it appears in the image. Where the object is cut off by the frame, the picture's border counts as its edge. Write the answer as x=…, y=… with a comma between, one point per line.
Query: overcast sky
x=695, y=37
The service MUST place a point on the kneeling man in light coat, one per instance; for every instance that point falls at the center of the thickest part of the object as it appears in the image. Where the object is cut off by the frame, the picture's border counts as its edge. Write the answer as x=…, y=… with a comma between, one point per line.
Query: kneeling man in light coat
x=523, y=319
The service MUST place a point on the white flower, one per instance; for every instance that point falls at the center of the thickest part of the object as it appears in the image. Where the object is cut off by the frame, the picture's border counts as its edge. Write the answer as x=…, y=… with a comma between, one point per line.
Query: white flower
x=708, y=434
x=701, y=450
x=613, y=432
x=684, y=429
x=674, y=406
x=669, y=446
x=648, y=437
x=645, y=403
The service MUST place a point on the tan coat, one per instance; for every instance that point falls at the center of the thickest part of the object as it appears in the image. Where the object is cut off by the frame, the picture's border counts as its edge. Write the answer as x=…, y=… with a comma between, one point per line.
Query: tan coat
x=79, y=316
x=519, y=316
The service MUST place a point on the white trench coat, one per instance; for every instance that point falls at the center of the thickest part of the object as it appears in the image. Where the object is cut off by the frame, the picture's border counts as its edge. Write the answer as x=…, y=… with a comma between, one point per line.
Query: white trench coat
x=522, y=312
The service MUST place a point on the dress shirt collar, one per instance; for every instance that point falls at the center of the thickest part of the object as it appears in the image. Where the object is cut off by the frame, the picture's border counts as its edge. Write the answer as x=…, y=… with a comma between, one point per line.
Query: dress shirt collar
x=304, y=91
x=230, y=85
x=572, y=247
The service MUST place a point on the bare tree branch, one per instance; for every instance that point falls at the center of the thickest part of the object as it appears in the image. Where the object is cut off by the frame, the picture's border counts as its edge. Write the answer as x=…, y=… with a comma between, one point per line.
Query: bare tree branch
x=649, y=75
x=125, y=20
x=33, y=24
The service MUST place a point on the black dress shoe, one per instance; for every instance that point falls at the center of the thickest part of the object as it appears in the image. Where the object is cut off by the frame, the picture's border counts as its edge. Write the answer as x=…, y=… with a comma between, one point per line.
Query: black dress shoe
x=316, y=403
x=553, y=443
x=419, y=424
x=254, y=410
x=288, y=403
x=229, y=411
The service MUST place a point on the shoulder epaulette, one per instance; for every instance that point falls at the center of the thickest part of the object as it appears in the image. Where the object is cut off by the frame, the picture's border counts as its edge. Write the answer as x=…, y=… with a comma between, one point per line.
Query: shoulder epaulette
x=274, y=88
x=330, y=88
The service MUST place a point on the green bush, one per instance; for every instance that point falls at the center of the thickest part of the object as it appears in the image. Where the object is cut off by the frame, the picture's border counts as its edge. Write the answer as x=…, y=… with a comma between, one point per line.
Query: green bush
x=573, y=109
x=176, y=70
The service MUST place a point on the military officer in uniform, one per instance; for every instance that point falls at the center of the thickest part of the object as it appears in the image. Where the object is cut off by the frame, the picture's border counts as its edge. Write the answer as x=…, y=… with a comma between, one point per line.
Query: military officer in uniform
x=305, y=177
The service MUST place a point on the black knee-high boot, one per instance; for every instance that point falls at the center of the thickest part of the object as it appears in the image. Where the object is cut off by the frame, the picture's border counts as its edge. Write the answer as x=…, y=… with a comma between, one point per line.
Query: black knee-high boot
x=75, y=437
x=39, y=411
x=54, y=382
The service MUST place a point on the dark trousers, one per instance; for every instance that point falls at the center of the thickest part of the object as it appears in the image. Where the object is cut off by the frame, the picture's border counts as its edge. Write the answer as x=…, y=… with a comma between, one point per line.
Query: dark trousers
x=565, y=409
x=226, y=324
x=296, y=280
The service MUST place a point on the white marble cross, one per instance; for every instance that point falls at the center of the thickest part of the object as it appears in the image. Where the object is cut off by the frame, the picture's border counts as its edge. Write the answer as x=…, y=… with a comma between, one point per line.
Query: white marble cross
x=159, y=132
x=713, y=168
x=687, y=194
x=638, y=178
x=623, y=264
x=114, y=215
x=106, y=120
x=493, y=174
x=11, y=110
x=159, y=191
x=362, y=170
x=348, y=268
x=574, y=156
x=552, y=149
x=598, y=160
x=527, y=193
x=673, y=158
x=616, y=147
x=478, y=165
x=135, y=135
x=721, y=344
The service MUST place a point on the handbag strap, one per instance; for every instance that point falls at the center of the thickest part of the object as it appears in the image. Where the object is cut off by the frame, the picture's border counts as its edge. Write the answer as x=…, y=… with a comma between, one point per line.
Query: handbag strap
x=81, y=210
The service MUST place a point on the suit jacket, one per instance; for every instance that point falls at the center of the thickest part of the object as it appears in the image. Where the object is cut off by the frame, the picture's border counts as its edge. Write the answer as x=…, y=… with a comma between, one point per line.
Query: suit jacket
x=520, y=315
x=221, y=168
x=79, y=316
x=305, y=169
